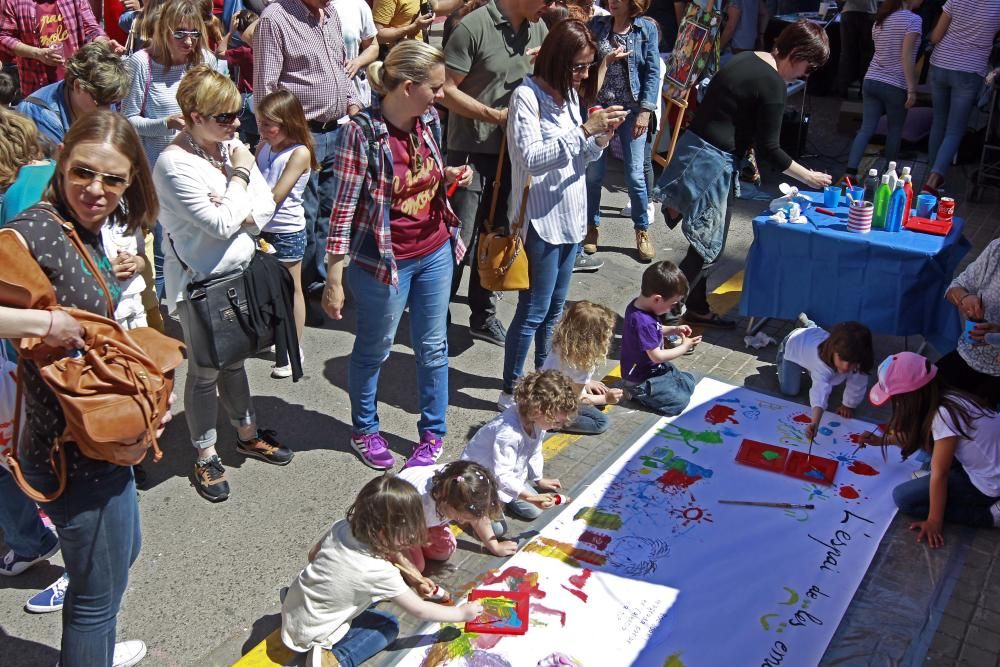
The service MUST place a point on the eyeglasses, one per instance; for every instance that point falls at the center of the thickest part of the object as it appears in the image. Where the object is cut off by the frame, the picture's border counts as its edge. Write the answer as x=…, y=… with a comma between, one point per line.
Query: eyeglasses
x=82, y=177
x=561, y=3
x=225, y=118
x=578, y=68
x=181, y=35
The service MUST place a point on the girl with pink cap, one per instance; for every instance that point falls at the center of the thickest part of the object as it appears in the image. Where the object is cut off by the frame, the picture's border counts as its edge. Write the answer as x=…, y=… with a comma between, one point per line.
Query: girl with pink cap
x=962, y=436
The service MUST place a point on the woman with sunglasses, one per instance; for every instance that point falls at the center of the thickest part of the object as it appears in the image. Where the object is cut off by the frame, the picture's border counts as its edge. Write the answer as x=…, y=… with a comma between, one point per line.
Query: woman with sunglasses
x=214, y=199
x=177, y=43
x=101, y=176
x=744, y=105
x=550, y=144
x=632, y=81
x=394, y=220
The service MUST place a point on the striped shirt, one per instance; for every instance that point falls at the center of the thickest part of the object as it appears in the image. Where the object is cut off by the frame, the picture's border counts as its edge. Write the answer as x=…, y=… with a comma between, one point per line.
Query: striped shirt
x=967, y=43
x=887, y=63
x=303, y=53
x=548, y=145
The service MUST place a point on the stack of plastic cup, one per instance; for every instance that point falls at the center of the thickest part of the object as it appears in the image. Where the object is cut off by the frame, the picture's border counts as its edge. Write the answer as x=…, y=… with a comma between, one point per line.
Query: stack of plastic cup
x=859, y=217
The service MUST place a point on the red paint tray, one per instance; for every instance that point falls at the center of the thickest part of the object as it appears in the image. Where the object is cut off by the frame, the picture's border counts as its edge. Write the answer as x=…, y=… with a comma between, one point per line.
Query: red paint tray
x=762, y=455
x=505, y=612
x=815, y=469
x=928, y=226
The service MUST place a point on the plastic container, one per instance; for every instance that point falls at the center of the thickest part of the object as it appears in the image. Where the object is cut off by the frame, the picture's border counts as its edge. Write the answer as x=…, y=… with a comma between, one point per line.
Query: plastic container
x=871, y=185
x=897, y=207
x=893, y=176
x=881, y=203
x=831, y=196
x=859, y=216
x=857, y=192
x=925, y=205
x=908, y=189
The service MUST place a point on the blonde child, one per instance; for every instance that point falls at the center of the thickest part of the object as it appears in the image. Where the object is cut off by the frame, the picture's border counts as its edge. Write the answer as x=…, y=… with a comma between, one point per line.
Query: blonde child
x=328, y=610
x=463, y=492
x=845, y=354
x=647, y=374
x=511, y=444
x=958, y=430
x=127, y=251
x=580, y=344
x=285, y=157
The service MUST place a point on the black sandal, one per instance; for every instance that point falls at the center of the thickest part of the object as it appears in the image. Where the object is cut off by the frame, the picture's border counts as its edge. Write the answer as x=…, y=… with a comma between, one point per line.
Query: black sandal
x=710, y=320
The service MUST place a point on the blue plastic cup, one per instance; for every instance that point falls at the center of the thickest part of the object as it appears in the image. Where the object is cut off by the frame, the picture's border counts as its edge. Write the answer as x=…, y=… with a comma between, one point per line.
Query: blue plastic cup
x=925, y=205
x=858, y=192
x=831, y=196
x=969, y=326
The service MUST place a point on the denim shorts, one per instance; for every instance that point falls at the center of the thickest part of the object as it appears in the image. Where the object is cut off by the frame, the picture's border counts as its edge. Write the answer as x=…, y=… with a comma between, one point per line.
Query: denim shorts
x=291, y=246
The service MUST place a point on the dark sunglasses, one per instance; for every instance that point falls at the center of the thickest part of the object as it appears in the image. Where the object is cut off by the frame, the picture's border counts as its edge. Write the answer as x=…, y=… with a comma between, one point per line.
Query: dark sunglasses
x=225, y=118
x=561, y=3
x=581, y=67
x=82, y=177
x=195, y=35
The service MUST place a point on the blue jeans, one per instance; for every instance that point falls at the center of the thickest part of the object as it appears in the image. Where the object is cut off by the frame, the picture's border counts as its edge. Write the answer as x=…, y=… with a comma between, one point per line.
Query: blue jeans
x=966, y=504
x=668, y=392
x=423, y=286
x=880, y=98
x=954, y=94
x=589, y=420
x=550, y=269
x=318, y=204
x=23, y=530
x=371, y=631
x=522, y=509
x=634, y=161
x=98, y=523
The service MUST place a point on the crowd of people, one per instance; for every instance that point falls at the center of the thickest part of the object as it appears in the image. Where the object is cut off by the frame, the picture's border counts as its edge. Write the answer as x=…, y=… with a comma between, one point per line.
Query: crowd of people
x=304, y=147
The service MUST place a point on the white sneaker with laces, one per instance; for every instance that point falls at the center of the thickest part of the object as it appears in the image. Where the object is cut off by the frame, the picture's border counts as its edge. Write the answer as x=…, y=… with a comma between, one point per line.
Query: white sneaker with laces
x=505, y=401
x=129, y=653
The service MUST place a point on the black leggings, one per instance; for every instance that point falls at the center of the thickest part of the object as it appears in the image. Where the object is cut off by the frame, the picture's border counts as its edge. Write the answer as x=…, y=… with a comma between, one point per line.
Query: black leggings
x=696, y=270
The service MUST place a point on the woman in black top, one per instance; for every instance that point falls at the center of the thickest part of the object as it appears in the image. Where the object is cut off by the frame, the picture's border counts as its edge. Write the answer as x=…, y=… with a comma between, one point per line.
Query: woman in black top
x=743, y=107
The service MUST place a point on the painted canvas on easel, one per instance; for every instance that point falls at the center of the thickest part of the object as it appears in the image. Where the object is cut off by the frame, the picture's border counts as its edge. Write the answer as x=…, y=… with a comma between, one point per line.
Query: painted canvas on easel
x=646, y=567
x=695, y=51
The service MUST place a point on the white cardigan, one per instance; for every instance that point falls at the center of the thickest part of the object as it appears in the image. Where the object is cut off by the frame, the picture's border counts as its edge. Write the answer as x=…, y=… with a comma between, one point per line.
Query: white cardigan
x=211, y=239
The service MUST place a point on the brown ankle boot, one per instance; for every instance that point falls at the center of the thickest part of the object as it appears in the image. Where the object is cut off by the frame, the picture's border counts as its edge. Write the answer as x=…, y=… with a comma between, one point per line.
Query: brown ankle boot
x=590, y=240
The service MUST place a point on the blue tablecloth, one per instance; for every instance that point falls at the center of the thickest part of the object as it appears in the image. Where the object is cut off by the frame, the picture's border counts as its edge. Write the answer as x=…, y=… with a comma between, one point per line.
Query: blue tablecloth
x=892, y=282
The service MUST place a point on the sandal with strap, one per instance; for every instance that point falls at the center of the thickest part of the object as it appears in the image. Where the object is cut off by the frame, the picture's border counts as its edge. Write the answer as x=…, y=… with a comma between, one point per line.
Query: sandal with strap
x=710, y=320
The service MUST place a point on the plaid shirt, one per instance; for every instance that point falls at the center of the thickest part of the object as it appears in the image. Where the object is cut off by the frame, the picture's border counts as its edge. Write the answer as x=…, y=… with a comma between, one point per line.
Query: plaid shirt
x=360, y=224
x=19, y=24
x=294, y=50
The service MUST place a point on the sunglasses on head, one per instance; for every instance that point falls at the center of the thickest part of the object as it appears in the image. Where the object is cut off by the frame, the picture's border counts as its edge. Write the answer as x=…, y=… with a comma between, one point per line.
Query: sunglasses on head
x=225, y=118
x=195, y=35
x=82, y=177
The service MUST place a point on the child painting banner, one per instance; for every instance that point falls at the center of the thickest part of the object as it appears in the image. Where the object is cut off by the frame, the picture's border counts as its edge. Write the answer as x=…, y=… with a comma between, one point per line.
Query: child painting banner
x=647, y=567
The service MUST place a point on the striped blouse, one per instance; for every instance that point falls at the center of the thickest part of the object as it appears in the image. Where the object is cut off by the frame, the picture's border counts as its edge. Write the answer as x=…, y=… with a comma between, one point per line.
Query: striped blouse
x=545, y=142
x=887, y=63
x=966, y=45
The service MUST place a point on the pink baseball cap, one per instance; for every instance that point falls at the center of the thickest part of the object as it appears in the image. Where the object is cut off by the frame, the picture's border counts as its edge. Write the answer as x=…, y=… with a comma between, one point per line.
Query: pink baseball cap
x=899, y=374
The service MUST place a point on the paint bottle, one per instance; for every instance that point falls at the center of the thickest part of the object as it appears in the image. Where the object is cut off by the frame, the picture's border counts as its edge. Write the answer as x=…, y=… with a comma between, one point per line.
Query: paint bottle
x=882, y=196
x=439, y=595
x=871, y=185
x=905, y=172
x=897, y=204
x=908, y=188
x=893, y=176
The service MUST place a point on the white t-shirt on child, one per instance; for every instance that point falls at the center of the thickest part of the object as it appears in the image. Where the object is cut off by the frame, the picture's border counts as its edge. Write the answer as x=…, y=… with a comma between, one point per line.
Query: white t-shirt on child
x=514, y=456
x=342, y=581
x=113, y=239
x=575, y=375
x=420, y=477
x=802, y=348
x=980, y=453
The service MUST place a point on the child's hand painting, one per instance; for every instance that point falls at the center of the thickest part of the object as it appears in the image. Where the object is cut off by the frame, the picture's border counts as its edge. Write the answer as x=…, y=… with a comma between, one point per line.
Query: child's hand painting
x=931, y=530
x=425, y=587
x=811, y=430
x=845, y=411
x=502, y=549
x=471, y=611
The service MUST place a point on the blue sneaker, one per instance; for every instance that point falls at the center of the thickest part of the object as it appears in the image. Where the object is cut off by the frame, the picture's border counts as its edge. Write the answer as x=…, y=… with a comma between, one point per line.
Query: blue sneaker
x=50, y=599
x=14, y=564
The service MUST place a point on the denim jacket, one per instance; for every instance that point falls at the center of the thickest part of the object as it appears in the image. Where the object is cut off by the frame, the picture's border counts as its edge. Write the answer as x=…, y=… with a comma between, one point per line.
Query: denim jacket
x=49, y=108
x=644, y=57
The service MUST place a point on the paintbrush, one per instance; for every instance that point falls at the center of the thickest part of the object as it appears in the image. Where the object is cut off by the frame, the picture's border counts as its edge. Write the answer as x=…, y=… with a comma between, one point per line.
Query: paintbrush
x=809, y=453
x=760, y=503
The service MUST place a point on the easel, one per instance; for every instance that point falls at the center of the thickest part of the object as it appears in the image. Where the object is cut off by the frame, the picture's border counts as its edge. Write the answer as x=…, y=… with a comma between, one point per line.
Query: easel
x=675, y=131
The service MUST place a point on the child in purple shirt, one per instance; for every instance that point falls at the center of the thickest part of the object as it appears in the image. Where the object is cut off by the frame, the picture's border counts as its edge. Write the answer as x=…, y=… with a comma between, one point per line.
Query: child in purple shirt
x=647, y=373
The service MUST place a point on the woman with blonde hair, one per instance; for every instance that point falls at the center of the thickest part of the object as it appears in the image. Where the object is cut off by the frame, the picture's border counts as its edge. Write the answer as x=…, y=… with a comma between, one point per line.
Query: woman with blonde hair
x=101, y=176
x=24, y=171
x=214, y=201
x=394, y=220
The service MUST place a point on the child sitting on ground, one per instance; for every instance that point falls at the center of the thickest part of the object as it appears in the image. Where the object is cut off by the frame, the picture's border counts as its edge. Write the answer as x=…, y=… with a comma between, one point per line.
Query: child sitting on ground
x=961, y=434
x=844, y=354
x=511, y=444
x=461, y=491
x=328, y=611
x=647, y=374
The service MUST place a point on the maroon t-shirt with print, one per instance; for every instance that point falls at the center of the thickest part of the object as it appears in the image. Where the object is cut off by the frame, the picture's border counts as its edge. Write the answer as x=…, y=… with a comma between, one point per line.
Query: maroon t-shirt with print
x=416, y=221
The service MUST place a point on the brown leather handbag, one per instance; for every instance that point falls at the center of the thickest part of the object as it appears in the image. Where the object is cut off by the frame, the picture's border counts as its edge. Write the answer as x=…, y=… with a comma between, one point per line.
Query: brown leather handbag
x=113, y=393
x=503, y=264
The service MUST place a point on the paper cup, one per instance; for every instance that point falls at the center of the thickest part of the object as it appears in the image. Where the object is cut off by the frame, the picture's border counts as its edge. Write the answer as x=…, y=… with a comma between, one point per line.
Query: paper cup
x=859, y=217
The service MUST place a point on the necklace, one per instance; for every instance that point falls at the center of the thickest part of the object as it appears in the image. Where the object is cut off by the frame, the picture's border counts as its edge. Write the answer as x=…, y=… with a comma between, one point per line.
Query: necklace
x=200, y=152
x=416, y=159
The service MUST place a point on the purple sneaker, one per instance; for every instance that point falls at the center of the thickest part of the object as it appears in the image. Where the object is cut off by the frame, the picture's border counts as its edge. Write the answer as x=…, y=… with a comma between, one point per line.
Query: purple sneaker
x=426, y=452
x=373, y=449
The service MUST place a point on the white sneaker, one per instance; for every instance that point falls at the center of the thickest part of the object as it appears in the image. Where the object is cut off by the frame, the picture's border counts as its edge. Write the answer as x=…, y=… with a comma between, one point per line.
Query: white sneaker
x=651, y=211
x=917, y=474
x=505, y=401
x=129, y=653
x=281, y=372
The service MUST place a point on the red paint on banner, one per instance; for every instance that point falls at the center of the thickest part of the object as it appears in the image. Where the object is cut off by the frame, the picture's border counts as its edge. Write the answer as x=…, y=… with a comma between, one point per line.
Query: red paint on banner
x=578, y=593
x=718, y=414
x=517, y=579
x=802, y=419
x=862, y=468
x=579, y=580
x=676, y=480
x=598, y=540
x=849, y=492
